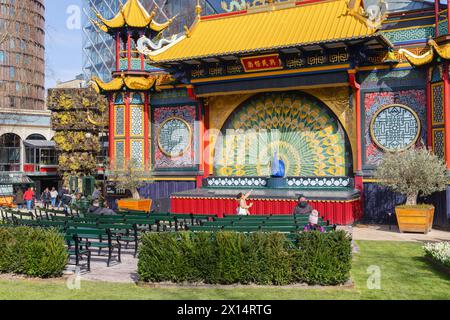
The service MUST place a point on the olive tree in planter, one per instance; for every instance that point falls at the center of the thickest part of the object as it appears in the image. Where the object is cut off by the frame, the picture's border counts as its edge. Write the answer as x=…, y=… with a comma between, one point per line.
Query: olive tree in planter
x=130, y=179
x=413, y=172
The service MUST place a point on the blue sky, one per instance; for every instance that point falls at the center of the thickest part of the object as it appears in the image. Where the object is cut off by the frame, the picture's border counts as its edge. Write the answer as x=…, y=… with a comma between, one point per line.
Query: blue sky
x=63, y=44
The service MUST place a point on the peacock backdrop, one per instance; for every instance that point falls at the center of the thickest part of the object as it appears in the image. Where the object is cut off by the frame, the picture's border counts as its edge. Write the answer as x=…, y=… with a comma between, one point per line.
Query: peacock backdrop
x=304, y=132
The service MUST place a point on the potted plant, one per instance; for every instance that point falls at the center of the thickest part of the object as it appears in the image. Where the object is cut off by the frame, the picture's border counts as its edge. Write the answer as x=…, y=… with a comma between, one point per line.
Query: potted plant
x=413, y=172
x=130, y=179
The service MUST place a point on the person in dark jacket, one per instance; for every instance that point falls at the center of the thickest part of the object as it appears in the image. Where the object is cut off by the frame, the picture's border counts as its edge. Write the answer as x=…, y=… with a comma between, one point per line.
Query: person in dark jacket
x=303, y=207
x=46, y=198
x=19, y=200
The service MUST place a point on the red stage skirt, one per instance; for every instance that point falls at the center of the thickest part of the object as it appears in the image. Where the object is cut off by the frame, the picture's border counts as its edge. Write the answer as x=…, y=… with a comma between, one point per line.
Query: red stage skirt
x=337, y=212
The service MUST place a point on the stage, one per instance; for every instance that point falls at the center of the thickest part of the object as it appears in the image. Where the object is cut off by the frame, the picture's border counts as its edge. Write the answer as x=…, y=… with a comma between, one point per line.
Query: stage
x=341, y=206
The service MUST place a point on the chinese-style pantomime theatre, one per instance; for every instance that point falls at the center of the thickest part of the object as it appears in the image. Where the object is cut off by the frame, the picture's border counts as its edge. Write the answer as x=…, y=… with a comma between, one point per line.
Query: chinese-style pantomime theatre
x=326, y=86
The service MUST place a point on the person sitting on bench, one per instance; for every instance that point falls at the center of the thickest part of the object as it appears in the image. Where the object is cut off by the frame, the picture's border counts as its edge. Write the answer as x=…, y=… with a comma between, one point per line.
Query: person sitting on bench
x=302, y=207
x=313, y=224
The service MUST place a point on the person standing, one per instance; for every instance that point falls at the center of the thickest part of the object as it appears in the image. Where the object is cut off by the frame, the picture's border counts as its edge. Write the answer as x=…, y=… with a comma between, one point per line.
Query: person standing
x=303, y=207
x=53, y=197
x=242, y=209
x=29, y=198
x=46, y=198
x=18, y=200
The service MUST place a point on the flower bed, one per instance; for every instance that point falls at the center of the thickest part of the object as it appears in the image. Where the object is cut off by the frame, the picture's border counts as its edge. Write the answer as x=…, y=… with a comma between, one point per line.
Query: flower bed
x=439, y=252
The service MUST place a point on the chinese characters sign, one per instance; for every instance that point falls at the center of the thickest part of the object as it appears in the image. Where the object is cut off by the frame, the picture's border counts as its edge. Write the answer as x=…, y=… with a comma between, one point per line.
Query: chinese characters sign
x=262, y=63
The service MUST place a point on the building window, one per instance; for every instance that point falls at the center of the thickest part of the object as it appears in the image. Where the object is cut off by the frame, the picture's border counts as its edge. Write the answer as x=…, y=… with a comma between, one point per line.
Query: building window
x=2, y=56
x=10, y=152
x=12, y=72
x=47, y=157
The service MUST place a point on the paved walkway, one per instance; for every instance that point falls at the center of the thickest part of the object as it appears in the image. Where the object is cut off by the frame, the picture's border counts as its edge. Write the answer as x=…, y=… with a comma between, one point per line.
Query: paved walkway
x=126, y=272
x=379, y=232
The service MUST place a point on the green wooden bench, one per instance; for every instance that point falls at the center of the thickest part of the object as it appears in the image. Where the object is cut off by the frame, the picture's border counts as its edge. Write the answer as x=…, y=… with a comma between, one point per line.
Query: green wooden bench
x=73, y=249
x=99, y=239
x=25, y=222
x=282, y=229
x=60, y=225
x=205, y=228
x=242, y=228
x=126, y=232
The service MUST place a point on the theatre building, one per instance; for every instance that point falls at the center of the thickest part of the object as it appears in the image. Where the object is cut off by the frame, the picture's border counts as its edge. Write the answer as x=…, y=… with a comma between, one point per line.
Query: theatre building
x=325, y=86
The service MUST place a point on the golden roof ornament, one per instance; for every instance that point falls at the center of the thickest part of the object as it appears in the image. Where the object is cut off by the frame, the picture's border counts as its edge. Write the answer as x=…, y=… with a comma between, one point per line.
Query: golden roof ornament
x=198, y=9
x=132, y=14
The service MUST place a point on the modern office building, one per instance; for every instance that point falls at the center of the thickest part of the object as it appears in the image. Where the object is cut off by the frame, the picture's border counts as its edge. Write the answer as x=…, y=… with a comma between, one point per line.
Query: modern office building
x=26, y=153
x=99, y=48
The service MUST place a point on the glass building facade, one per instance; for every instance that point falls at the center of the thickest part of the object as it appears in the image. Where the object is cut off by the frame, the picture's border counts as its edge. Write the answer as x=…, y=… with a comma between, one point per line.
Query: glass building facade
x=99, y=47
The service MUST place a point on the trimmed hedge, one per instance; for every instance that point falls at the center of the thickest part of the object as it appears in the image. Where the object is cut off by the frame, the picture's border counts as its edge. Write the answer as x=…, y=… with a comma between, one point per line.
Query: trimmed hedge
x=255, y=258
x=34, y=252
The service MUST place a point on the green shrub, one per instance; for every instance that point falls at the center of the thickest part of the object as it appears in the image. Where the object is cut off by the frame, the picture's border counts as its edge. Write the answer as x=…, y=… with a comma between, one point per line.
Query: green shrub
x=323, y=259
x=32, y=251
x=259, y=258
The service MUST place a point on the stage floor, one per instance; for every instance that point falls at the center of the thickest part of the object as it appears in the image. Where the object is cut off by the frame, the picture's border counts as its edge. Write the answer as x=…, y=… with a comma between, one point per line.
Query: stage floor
x=275, y=194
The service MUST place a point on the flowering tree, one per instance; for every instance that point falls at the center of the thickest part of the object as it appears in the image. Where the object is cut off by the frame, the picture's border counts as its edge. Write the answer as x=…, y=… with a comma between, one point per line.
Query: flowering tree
x=412, y=172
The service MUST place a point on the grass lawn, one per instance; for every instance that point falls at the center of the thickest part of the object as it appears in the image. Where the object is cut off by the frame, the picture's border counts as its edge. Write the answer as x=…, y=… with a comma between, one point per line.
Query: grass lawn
x=404, y=275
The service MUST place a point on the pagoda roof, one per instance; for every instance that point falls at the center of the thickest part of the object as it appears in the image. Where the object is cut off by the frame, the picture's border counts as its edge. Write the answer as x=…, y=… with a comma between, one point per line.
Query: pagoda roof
x=132, y=14
x=288, y=25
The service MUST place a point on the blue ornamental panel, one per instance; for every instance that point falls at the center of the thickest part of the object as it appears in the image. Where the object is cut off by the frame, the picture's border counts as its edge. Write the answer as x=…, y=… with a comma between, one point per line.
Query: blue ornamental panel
x=119, y=99
x=120, y=154
x=137, y=153
x=438, y=103
x=137, y=99
x=395, y=128
x=439, y=142
x=120, y=120
x=137, y=121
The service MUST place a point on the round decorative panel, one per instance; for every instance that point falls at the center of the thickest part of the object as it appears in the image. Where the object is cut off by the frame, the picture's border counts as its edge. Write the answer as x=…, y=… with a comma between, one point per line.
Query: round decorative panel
x=395, y=128
x=174, y=137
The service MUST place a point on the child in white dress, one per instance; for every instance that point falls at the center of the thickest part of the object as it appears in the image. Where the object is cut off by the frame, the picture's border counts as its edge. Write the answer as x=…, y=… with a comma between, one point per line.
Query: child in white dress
x=242, y=209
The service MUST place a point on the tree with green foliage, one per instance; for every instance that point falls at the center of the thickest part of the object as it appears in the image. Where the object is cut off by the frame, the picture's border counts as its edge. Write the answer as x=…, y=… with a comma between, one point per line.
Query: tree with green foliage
x=128, y=178
x=412, y=172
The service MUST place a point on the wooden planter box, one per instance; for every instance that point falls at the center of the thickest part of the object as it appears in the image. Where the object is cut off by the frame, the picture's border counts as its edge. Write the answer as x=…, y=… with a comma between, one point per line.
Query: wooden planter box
x=413, y=219
x=135, y=205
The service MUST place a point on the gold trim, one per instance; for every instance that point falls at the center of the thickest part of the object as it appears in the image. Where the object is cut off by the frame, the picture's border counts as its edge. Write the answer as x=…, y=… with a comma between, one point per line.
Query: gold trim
x=272, y=73
x=433, y=85
x=159, y=137
x=319, y=86
x=372, y=135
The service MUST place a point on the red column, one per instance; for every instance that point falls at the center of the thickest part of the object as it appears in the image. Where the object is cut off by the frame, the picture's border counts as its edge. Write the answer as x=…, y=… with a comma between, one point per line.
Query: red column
x=429, y=111
x=129, y=51
x=357, y=88
x=142, y=60
x=111, y=128
x=447, y=114
x=146, y=132
x=436, y=17
x=127, y=127
x=117, y=51
x=207, y=142
x=448, y=17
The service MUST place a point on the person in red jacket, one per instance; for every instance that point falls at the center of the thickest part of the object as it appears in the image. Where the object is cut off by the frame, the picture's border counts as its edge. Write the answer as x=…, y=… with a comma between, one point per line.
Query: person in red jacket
x=29, y=198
